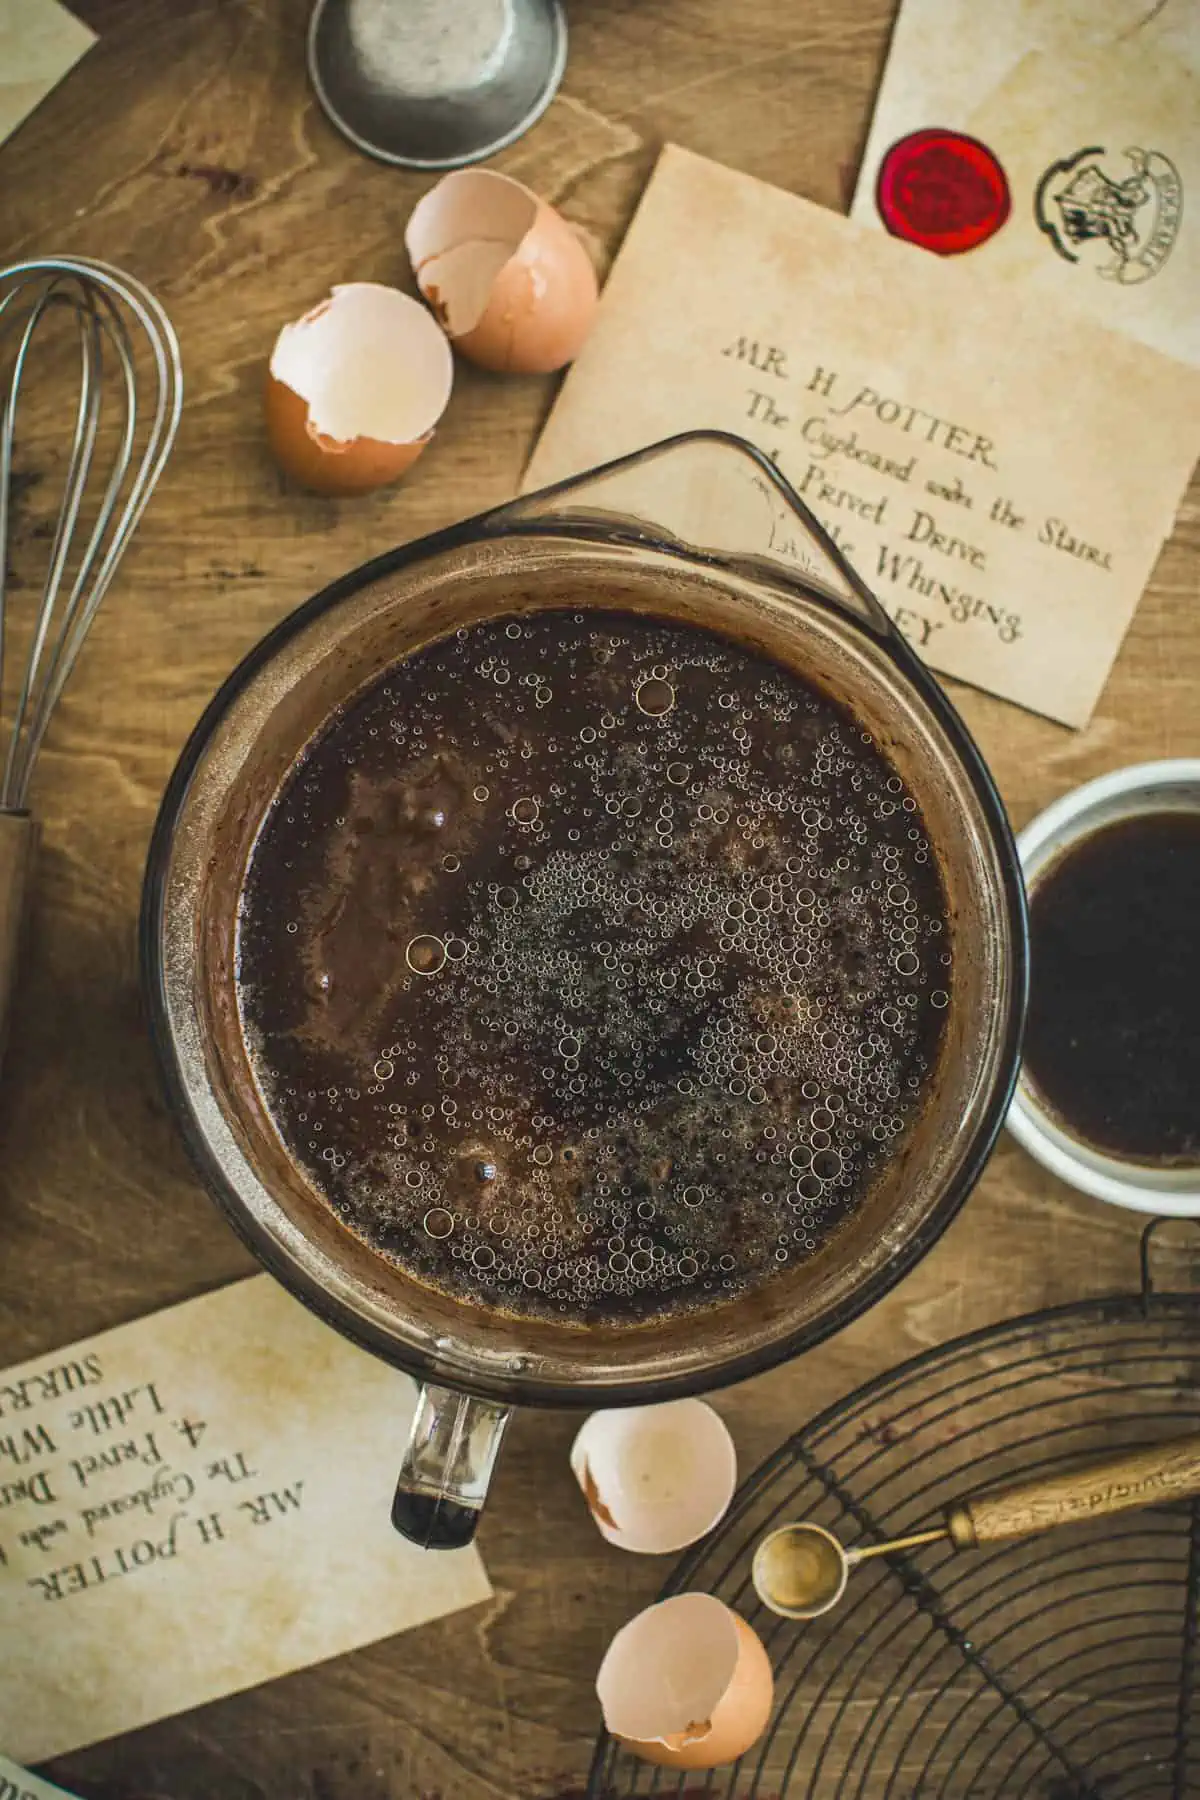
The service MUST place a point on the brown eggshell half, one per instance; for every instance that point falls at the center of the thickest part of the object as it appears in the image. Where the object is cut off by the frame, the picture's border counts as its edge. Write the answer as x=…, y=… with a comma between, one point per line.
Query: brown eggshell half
x=323, y=465
x=693, y=1667
x=511, y=283
x=738, y=1721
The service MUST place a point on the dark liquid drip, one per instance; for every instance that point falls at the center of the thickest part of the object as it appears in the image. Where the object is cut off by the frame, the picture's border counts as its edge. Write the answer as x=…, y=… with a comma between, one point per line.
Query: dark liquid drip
x=1113, y=1038
x=590, y=966
x=433, y=1521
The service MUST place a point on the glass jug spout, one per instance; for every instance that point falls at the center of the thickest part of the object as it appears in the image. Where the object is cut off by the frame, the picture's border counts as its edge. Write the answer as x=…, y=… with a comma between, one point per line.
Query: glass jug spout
x=711, y=497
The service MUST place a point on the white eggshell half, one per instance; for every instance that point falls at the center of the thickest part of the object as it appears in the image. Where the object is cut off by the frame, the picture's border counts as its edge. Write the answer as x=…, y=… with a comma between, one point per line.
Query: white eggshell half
x=655, y=1478
x=686, y=1683
x=369, y=362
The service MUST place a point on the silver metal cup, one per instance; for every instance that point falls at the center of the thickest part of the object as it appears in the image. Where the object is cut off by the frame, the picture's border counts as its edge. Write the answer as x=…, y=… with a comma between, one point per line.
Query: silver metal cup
x=434, y=84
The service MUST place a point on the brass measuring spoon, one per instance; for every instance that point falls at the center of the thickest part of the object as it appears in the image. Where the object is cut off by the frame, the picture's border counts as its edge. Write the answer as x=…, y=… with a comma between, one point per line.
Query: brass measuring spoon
x=800, y=1571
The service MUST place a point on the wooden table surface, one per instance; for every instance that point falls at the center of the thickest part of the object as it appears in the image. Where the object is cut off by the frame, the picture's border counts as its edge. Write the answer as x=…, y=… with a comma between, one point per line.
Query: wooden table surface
x=187, y=147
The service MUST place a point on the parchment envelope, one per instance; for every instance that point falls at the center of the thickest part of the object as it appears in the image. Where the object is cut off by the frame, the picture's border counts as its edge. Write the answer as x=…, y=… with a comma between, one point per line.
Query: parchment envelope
x=193, y=1504
x=946, y=56
x=1001, y=476
x=1102, y=154
x=39, y=41
x=1093, y=112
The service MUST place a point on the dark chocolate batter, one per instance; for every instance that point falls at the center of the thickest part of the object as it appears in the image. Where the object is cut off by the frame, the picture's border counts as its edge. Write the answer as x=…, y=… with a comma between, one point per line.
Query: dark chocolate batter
x=589, y=964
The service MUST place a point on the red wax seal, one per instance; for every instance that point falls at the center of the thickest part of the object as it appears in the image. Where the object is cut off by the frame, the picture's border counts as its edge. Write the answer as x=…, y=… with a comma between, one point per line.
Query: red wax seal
x=942, y=190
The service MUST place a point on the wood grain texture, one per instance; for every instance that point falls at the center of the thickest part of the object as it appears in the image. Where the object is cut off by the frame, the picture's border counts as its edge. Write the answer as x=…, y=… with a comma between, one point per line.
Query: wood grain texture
x=187, y=147
x=18, y=846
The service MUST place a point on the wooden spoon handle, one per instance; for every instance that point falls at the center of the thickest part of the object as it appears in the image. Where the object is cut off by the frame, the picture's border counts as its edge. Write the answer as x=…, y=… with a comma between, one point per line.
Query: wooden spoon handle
x=18, y=840
x=1167, y=1471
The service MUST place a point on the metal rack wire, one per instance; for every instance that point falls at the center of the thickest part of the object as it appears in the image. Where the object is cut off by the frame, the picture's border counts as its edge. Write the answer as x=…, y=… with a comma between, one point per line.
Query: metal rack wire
x=1059, y=1668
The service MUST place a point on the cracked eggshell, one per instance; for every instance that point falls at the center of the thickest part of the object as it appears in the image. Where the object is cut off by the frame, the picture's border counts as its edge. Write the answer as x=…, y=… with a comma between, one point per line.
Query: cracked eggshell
x=355, y=388
x=686, y=1684
x=507, y=277
x=655, y=1478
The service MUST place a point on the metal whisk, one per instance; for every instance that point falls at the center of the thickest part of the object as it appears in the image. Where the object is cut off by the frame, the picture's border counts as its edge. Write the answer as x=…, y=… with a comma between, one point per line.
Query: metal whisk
x=122, y=436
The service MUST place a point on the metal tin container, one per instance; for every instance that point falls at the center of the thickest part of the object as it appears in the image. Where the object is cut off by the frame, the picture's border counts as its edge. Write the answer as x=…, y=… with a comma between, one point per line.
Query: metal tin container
x=431, y=86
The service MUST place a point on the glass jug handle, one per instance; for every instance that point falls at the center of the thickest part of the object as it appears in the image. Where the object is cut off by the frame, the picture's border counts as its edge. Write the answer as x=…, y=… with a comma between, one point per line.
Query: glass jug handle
x=447, y=1467
x=713, y=496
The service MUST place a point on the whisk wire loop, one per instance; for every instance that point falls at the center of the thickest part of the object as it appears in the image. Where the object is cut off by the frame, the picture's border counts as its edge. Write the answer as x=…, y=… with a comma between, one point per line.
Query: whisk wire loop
x=118, y=321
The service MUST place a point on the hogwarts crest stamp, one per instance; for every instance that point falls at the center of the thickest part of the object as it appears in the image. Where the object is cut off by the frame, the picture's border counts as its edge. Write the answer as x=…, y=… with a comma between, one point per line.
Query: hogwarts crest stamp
x=1121, y=217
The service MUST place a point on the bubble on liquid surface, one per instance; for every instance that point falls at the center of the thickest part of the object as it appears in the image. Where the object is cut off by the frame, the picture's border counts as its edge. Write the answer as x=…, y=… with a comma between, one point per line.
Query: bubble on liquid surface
x=425, y=954
x=692, y=974
x=654, y=696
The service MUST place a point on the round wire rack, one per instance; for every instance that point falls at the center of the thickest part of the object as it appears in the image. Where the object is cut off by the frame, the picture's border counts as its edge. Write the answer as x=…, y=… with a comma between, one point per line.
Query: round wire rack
x=1063, y=1667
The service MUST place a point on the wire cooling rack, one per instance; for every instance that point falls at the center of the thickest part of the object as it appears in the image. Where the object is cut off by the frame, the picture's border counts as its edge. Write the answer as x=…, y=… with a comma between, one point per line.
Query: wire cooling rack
x=1064, y=1667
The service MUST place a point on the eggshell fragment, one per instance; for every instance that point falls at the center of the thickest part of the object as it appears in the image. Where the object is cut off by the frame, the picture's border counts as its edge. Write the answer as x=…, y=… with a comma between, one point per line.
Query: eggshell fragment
x=355, y=388
x=655, y=1477
x=508, y=278
x=686, y=1684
